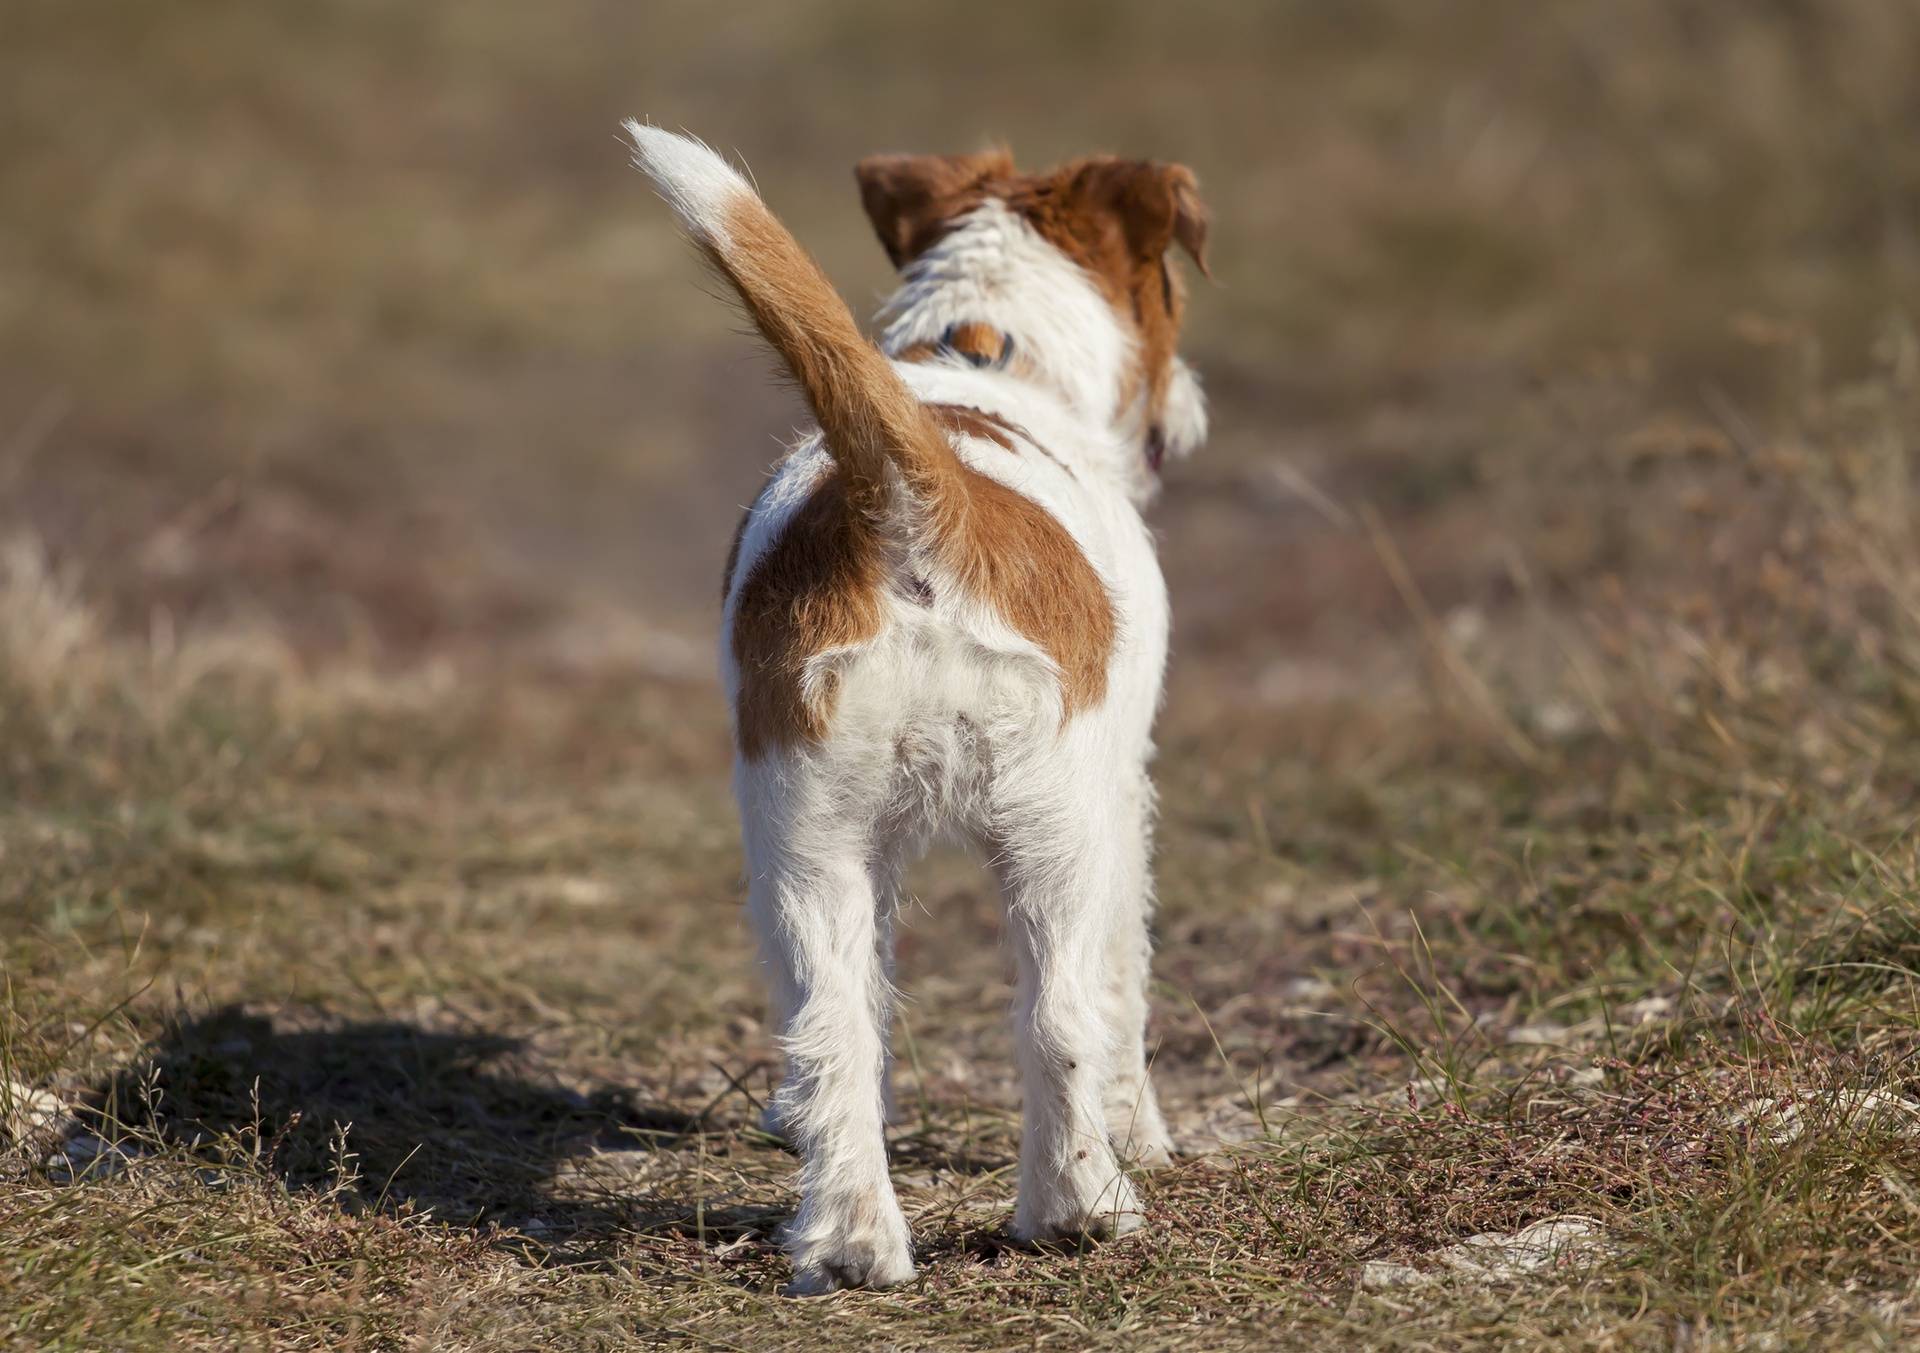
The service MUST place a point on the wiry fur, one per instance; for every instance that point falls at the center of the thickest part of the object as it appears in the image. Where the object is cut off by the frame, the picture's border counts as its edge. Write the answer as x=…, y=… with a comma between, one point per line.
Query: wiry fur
x=944, y=615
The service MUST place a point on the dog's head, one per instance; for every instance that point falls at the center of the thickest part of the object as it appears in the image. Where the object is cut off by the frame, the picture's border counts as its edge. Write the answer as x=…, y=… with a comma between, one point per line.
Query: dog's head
x=1117, y=220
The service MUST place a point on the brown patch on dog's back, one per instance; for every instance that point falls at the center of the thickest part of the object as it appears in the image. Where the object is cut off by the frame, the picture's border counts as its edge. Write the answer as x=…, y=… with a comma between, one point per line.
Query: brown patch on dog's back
x=1014, y=555
x=817, y=588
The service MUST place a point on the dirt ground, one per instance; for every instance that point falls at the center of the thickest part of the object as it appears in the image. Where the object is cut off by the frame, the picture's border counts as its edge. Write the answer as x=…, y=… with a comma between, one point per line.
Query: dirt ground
x=1538, y=929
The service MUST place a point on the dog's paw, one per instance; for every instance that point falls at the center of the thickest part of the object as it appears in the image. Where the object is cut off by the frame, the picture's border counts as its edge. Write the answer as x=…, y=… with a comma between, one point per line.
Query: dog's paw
x=855, y=1261
x=856, y=1266
x=866, y=1245
x=1075, y=1214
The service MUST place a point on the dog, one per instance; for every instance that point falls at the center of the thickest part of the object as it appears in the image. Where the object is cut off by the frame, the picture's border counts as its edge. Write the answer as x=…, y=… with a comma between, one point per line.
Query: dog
x=944, y=615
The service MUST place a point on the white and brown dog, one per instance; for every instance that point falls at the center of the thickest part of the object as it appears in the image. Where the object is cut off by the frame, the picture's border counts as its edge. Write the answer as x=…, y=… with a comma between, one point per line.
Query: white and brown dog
x=944, y=615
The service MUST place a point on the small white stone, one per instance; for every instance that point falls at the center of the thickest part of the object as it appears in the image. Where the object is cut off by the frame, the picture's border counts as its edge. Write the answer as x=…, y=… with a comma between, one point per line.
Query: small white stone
x=1381, y=1275
x=1466, y=626
x=1648, y=1010
x=1308, y=990
x=25, y=1112
x=1555, y=1240
x=1559, y=719
x=1493, y=1257
x=1539, y=1035
x=580, y=890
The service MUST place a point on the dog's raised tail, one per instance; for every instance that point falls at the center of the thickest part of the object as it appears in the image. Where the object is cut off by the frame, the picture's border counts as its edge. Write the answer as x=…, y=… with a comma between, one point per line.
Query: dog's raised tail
x=873, y=423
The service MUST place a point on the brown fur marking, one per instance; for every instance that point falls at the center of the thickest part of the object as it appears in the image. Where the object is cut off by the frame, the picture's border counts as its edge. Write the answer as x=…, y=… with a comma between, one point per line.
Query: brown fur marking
x=1006, y=549
x=972, y=422
x=968, y=421
x=980, y=344
x=815, y=589
x=986, y=345
x=910, y=197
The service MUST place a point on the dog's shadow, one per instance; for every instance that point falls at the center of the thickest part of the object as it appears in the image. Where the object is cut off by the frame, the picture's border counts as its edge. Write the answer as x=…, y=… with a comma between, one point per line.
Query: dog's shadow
x=391, y=1115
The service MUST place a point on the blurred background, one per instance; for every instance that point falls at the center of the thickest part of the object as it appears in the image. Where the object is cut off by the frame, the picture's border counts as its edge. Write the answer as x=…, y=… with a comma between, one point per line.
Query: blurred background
x=349, y=319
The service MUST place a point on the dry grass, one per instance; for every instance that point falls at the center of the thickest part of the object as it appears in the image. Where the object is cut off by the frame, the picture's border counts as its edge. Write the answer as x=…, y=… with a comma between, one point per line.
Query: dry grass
x=1540, y=762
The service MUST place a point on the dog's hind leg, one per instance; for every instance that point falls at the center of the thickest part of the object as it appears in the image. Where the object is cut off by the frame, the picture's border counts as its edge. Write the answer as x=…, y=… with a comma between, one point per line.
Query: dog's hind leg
x=1060, y=874
x=811, y=894
x=1134, y=1122
x=888, y=896
x=888, y=873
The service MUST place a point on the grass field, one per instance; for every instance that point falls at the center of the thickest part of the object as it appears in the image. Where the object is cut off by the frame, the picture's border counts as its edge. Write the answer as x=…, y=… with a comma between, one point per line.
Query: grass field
x=1540, y=769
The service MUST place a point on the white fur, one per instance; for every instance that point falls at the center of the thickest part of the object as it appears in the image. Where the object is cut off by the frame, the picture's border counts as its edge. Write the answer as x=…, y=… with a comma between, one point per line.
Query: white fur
x=994, y=269
x=949, y=723
x=694, y=181
x=1183, y=418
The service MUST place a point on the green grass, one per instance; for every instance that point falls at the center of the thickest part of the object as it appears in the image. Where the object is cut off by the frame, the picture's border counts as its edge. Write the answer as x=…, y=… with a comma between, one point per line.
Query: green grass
x=1539, y=814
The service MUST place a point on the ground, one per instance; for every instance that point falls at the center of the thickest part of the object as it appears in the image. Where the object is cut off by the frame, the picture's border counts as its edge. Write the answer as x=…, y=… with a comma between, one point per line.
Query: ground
x=1538, y=929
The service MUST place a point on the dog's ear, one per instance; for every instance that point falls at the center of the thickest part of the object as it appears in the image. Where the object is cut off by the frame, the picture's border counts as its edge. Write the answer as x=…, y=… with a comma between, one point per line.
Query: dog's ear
x=1191, y=218
x=1158, y=205
x=909, y=197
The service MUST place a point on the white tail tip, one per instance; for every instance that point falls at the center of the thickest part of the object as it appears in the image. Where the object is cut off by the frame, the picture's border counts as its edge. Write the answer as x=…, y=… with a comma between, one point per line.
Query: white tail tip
x=695, y=182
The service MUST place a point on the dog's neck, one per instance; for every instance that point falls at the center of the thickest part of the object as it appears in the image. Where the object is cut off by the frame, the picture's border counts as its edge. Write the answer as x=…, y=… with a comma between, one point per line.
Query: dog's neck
x=993, y=293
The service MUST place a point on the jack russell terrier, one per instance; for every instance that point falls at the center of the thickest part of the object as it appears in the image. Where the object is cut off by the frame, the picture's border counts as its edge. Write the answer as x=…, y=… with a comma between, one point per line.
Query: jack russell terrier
x=944, y=615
